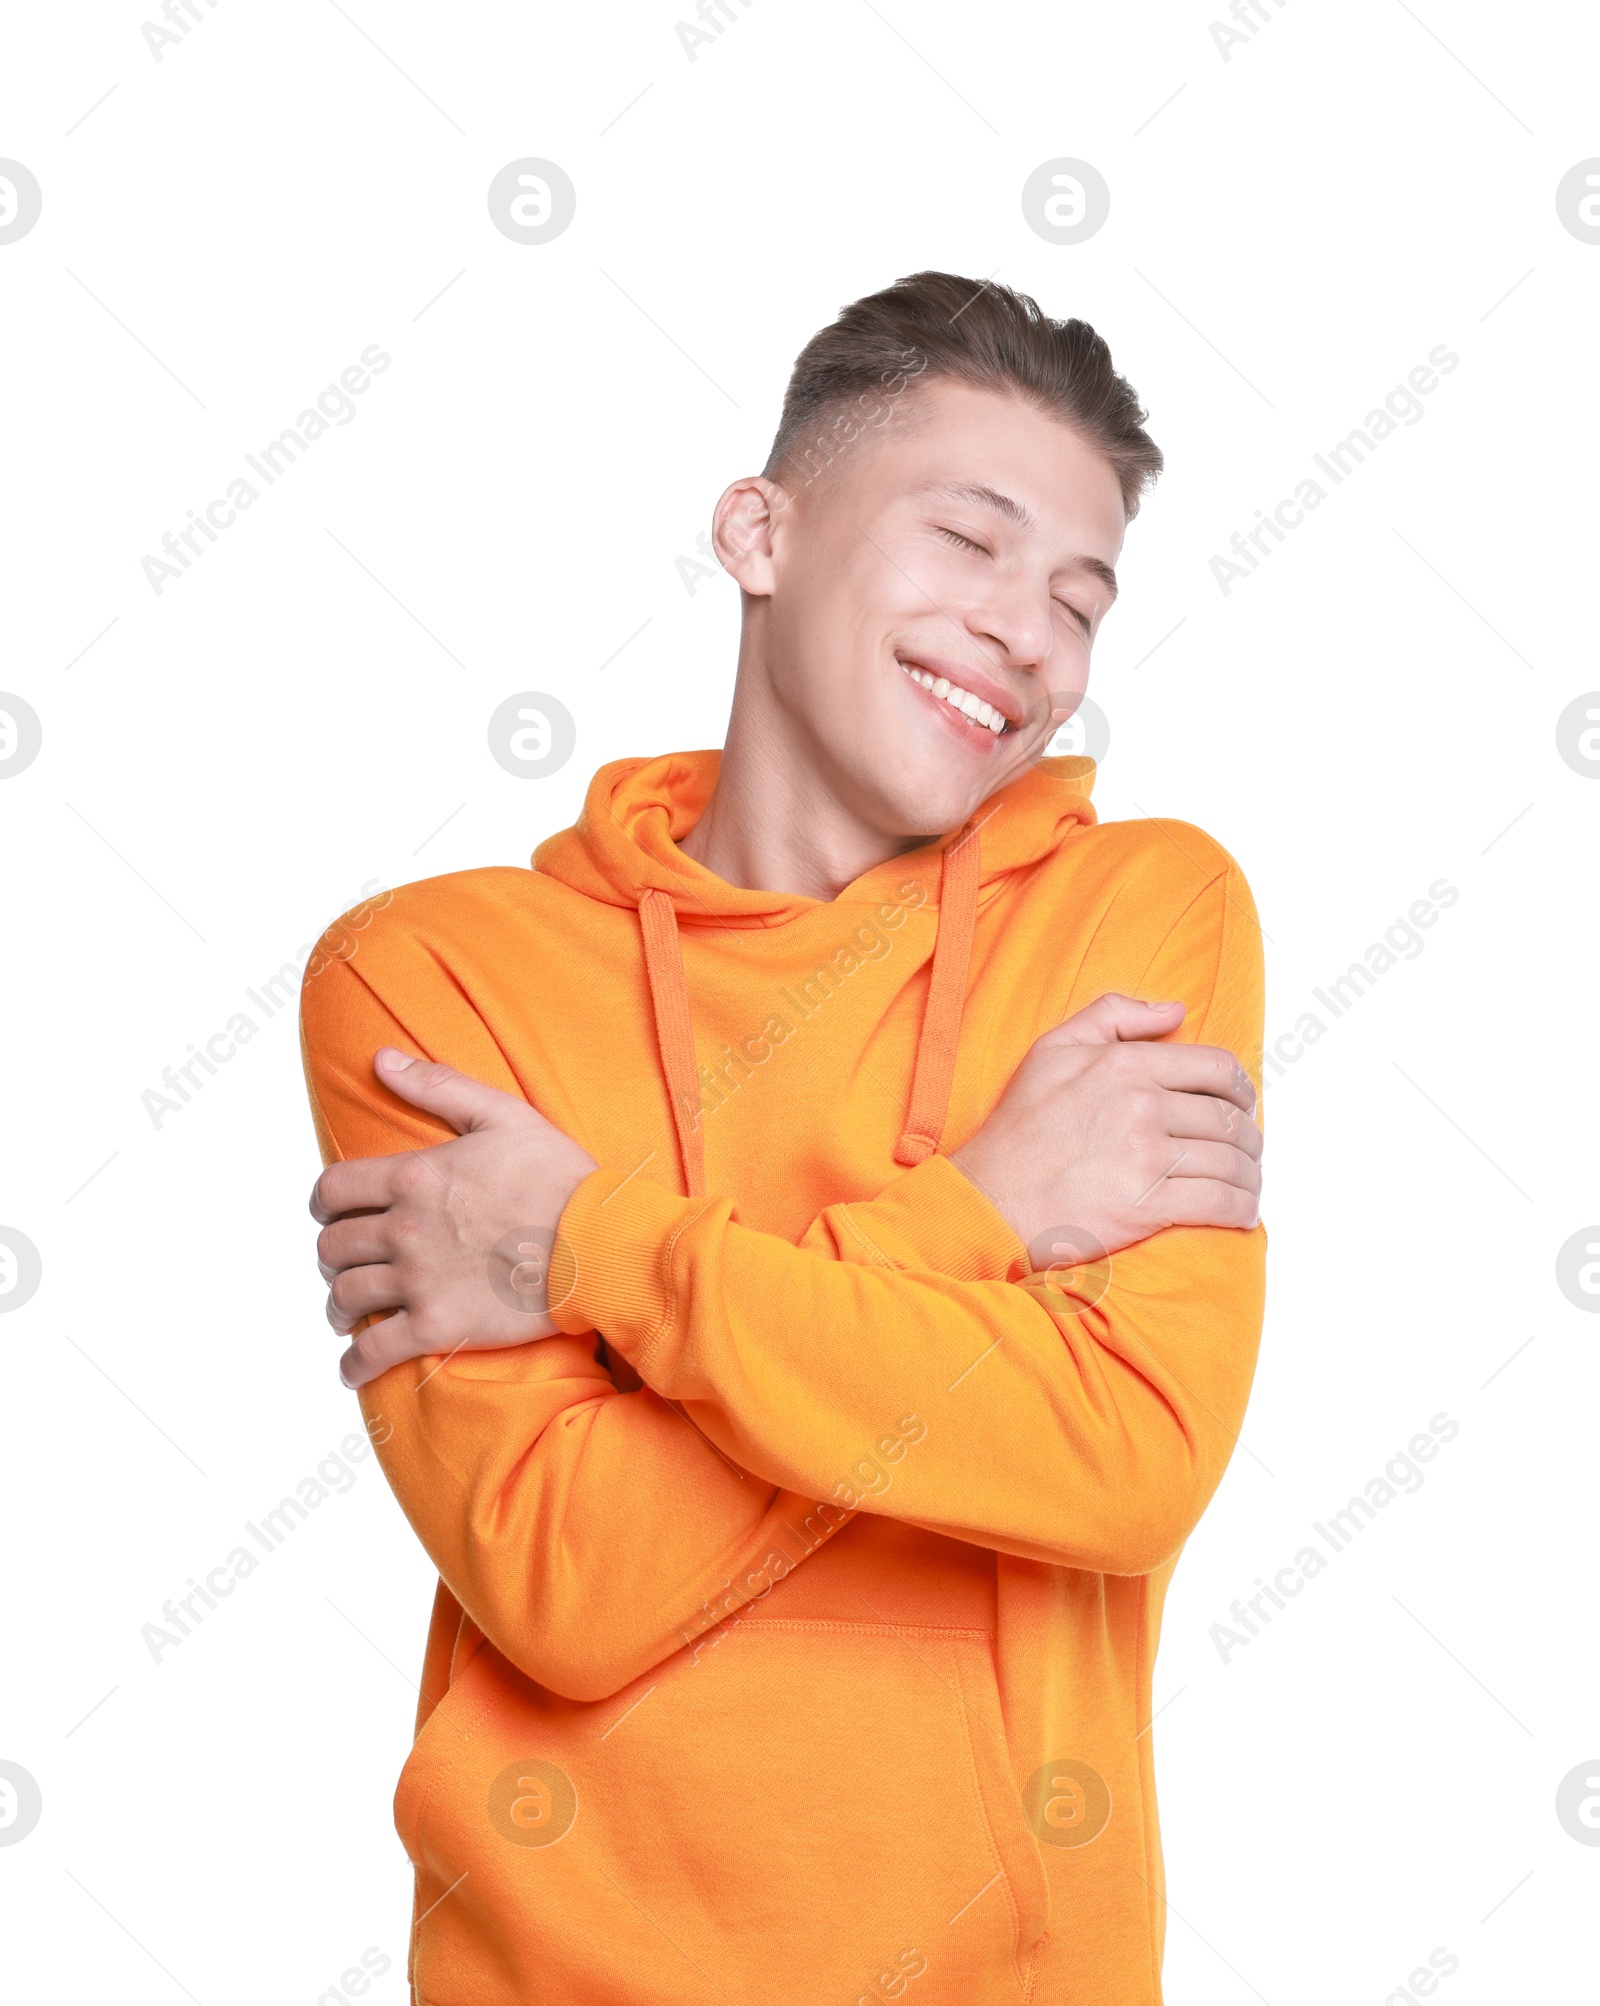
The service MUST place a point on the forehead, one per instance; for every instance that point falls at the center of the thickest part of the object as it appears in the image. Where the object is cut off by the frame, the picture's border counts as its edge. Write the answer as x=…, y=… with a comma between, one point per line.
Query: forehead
x=948, y=440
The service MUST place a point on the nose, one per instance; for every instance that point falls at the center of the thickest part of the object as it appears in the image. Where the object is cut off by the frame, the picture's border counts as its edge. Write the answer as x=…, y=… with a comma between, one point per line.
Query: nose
x=1012, y=612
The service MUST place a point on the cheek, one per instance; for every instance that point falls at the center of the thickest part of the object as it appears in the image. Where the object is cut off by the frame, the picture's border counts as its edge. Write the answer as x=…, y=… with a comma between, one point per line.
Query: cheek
x=846, y=616
x=934, y=576
x=836, y=584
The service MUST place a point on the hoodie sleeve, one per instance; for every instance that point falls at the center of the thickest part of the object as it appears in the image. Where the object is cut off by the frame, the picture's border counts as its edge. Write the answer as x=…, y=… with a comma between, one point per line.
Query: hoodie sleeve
x=588, y=1533
x=857, y=1368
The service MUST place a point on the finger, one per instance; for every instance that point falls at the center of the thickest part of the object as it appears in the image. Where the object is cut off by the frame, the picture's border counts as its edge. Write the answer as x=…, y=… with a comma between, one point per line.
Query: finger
x=354, y=1242
x=1204, y=1201
x=1194, y=1069
x=1219, y=1162
x=436, y=1088
x=392, y=1339
x=387, y=1342
x=359, y=1292
x=359, y=1184
x=1207, y=1118
x=1111, y=1018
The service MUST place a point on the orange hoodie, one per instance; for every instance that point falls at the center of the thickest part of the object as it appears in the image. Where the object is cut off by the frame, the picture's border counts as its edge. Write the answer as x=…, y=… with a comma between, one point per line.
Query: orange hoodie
x=793, y=1643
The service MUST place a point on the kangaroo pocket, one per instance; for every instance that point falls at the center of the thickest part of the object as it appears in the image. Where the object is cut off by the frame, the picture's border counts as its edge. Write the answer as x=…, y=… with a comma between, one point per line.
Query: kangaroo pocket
x=792, y=1812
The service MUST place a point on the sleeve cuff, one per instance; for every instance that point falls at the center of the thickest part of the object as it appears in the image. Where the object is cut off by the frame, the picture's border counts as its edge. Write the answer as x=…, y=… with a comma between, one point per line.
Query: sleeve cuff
x=935, y=1217
x=611, y=1266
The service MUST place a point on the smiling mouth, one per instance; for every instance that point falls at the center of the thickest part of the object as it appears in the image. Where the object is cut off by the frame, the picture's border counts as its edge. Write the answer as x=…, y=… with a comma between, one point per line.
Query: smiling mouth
x=964, y=702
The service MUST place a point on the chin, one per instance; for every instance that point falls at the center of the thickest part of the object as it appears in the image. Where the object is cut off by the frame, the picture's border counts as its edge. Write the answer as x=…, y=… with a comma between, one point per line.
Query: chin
x=926, y=804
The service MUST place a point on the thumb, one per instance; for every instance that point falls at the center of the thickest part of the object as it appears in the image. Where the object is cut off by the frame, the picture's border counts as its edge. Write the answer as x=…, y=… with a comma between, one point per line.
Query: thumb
x=1112, y=1018
x=436, y=1088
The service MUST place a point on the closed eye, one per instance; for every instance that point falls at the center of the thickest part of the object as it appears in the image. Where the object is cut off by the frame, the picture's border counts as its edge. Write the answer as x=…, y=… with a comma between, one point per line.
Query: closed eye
x=966, y=542
x=1081, y=617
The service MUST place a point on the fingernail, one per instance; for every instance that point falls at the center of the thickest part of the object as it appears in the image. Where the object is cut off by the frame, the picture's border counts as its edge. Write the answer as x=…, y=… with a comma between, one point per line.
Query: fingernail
x=393, y=1061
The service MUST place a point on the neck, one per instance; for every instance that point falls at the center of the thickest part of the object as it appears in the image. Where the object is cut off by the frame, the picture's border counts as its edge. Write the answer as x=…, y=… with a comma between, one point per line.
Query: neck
x=778, y=819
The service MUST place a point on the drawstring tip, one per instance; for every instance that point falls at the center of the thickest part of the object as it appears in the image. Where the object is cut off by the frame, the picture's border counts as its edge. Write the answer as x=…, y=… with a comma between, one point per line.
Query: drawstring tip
x=913, y=1149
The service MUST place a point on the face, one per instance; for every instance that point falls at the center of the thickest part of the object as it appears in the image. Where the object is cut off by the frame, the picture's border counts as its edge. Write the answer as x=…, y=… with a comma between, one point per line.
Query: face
x=920, y=616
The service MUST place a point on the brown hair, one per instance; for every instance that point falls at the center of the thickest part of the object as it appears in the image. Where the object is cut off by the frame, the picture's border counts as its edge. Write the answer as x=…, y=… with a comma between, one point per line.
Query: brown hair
x=936, y=324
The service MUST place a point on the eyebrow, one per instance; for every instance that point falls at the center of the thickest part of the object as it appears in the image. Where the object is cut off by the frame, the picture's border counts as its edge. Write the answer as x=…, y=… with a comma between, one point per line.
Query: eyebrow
x=1013, y=511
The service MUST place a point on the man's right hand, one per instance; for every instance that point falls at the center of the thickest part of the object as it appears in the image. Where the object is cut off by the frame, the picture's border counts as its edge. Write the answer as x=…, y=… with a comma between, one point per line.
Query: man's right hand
x=1109, y=1135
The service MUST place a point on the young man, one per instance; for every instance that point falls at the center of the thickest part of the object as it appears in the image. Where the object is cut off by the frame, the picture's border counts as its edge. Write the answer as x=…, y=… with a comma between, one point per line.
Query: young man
x=842, y=1296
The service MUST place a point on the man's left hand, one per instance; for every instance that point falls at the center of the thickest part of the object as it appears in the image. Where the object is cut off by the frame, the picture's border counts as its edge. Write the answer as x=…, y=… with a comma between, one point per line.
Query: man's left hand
x=454, y=1240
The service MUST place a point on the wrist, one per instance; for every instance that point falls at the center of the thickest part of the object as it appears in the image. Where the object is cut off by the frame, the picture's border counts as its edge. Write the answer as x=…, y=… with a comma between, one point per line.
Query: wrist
x=610, y=1263
x=985, y=1177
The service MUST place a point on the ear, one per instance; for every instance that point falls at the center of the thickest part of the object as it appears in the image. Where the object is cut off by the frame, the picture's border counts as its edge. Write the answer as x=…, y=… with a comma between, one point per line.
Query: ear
x=743, y=532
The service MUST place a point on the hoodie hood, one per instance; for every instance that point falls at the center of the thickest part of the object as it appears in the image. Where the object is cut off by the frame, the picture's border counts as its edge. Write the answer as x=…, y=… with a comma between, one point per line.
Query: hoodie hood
x=624, y=851
x=636, y=812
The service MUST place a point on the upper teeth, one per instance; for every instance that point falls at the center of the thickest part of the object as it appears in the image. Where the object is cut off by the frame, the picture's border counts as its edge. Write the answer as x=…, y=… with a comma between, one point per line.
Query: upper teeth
x=960, y=699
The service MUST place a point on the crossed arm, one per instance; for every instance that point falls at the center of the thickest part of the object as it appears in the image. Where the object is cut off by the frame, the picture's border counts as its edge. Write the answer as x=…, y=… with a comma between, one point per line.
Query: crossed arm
x=591, y=1532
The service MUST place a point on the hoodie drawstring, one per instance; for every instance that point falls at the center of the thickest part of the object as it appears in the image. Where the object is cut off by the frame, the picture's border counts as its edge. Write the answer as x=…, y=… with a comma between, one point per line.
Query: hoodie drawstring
x=937, y=1041
x=669, y=993
x=947, y=993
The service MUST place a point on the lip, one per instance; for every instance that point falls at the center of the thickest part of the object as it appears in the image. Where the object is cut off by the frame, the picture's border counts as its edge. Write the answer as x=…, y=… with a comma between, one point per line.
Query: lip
x=969, y=678
x=977, y=738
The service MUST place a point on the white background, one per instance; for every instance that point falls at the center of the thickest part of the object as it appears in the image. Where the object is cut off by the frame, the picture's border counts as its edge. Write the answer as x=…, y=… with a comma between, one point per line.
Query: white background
x=1292, y=230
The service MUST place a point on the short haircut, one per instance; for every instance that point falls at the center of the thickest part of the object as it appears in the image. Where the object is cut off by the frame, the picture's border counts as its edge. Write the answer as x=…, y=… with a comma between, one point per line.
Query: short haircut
x=936, y=324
